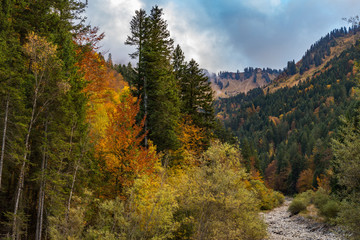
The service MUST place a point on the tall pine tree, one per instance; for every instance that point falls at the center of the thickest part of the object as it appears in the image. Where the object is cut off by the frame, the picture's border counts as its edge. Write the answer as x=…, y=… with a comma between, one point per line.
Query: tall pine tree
x=156, y=84
x=196, y=93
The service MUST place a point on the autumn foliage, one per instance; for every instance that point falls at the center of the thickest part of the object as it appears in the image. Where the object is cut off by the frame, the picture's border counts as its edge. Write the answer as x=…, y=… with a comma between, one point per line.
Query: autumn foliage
x=121, y=147
x=112, y=111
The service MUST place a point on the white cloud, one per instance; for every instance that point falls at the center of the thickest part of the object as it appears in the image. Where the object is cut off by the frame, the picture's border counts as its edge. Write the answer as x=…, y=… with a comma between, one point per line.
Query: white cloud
x=204, y=45
x=113, y=17
x=228, y=34
x=267, y=7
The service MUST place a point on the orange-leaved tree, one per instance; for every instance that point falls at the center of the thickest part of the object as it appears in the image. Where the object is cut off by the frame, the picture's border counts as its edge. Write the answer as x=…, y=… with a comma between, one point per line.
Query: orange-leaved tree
x=120, y=148
x=111, y=114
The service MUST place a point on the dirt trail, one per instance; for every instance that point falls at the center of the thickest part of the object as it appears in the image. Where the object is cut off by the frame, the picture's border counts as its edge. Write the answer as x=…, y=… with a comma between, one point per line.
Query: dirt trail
x=282, y=226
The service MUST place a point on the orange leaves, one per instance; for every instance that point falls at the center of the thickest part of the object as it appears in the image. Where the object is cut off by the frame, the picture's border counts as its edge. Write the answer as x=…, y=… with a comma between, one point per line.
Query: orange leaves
x=102, y=82
x=112, y=112
x=305, y=180
x=192, y=137
x=271, y=175
x=89, y=38
x=276, y=121
x=323, y=181
x=120, y=147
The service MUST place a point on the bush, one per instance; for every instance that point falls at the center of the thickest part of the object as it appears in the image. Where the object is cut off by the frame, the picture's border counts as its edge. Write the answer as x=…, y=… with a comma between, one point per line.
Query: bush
x=321, y=198
x=279, y=197
x=349, y=217
x=296, y=206
x=215, y=200
x=269, y=198
x=306, y=197
x=330, y=210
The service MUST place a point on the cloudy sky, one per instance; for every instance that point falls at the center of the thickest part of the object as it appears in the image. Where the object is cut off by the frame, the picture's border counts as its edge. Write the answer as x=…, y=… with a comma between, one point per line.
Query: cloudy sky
x=228, y=34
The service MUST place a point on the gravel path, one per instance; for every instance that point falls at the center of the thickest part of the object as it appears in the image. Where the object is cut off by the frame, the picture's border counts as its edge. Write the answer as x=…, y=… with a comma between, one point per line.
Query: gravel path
x=282, y=226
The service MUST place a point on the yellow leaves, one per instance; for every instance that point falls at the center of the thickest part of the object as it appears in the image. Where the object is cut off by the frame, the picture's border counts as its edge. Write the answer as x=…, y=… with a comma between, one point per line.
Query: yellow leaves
x=274, y=120
x=112, y=117
x=323, y=180
x=41, y=53
x=119, y=142
x=316, y=111
x=192, y=136
x=309, y=88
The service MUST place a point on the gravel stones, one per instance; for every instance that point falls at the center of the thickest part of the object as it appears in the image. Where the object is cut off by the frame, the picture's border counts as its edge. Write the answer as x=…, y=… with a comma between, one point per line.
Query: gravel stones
x=283, y=226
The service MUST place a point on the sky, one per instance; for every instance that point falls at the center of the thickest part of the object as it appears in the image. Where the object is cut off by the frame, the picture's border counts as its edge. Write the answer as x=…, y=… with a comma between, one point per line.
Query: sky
x=227, y=35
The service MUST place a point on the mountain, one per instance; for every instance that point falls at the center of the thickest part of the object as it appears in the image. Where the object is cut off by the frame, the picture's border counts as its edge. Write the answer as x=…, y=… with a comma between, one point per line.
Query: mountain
x=285, y=128
x=316, y=58
x=227, y=84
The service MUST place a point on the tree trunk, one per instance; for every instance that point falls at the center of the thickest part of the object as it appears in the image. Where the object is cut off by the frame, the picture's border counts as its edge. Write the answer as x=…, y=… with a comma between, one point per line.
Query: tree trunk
x=72, y=187
x=146, y=112
x=42, y=188
x=4, y=137
x=22, y=170
x=75, y=172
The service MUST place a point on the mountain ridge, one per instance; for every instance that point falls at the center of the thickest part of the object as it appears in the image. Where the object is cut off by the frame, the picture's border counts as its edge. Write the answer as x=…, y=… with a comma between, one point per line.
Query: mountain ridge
x=227, y=84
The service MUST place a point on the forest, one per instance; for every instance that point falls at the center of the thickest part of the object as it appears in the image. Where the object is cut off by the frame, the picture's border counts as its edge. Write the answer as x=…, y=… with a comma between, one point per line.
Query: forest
x=92, y=149
x=294, y=136
x=96, y=150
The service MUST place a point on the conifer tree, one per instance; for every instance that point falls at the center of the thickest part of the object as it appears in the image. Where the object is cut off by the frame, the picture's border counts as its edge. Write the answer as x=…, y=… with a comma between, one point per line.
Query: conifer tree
x=178, y=61
x=196, y=93
x=156, y=84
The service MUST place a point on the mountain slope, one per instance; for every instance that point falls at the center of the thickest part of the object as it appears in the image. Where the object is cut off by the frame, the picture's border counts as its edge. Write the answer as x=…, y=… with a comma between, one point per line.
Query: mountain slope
x=227, y=84
x=286, y=133
x=317, y=57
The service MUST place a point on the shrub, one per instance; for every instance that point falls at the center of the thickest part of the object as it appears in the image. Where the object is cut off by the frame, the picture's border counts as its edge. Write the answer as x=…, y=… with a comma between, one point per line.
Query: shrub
x=296, y=206
x=349, y=217
x=306, y=197
x=321, y=198
x=267, y=197
x=279, y=197
x=330, y=210
x=216, y=201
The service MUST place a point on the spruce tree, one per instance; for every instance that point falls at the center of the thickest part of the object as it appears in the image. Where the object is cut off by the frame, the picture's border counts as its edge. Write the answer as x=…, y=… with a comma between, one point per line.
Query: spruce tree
x=138, y=29
x=197, y=96
x=156, y=85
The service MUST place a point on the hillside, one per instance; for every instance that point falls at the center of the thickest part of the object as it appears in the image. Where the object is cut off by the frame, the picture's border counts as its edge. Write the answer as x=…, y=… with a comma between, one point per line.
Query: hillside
x=287, y=132
x=316, y=58
x=227, y=84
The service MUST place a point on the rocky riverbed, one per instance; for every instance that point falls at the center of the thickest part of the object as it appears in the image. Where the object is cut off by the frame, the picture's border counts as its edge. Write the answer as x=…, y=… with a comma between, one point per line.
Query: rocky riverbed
x=283, y=226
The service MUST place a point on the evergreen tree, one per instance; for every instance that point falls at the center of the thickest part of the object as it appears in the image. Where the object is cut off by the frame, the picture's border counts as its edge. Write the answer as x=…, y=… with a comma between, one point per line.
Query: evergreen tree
x=156, y=84
x=178, y=61
x=196, y=93
x=139, y=29
x=197, y=96
x=164, y=111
